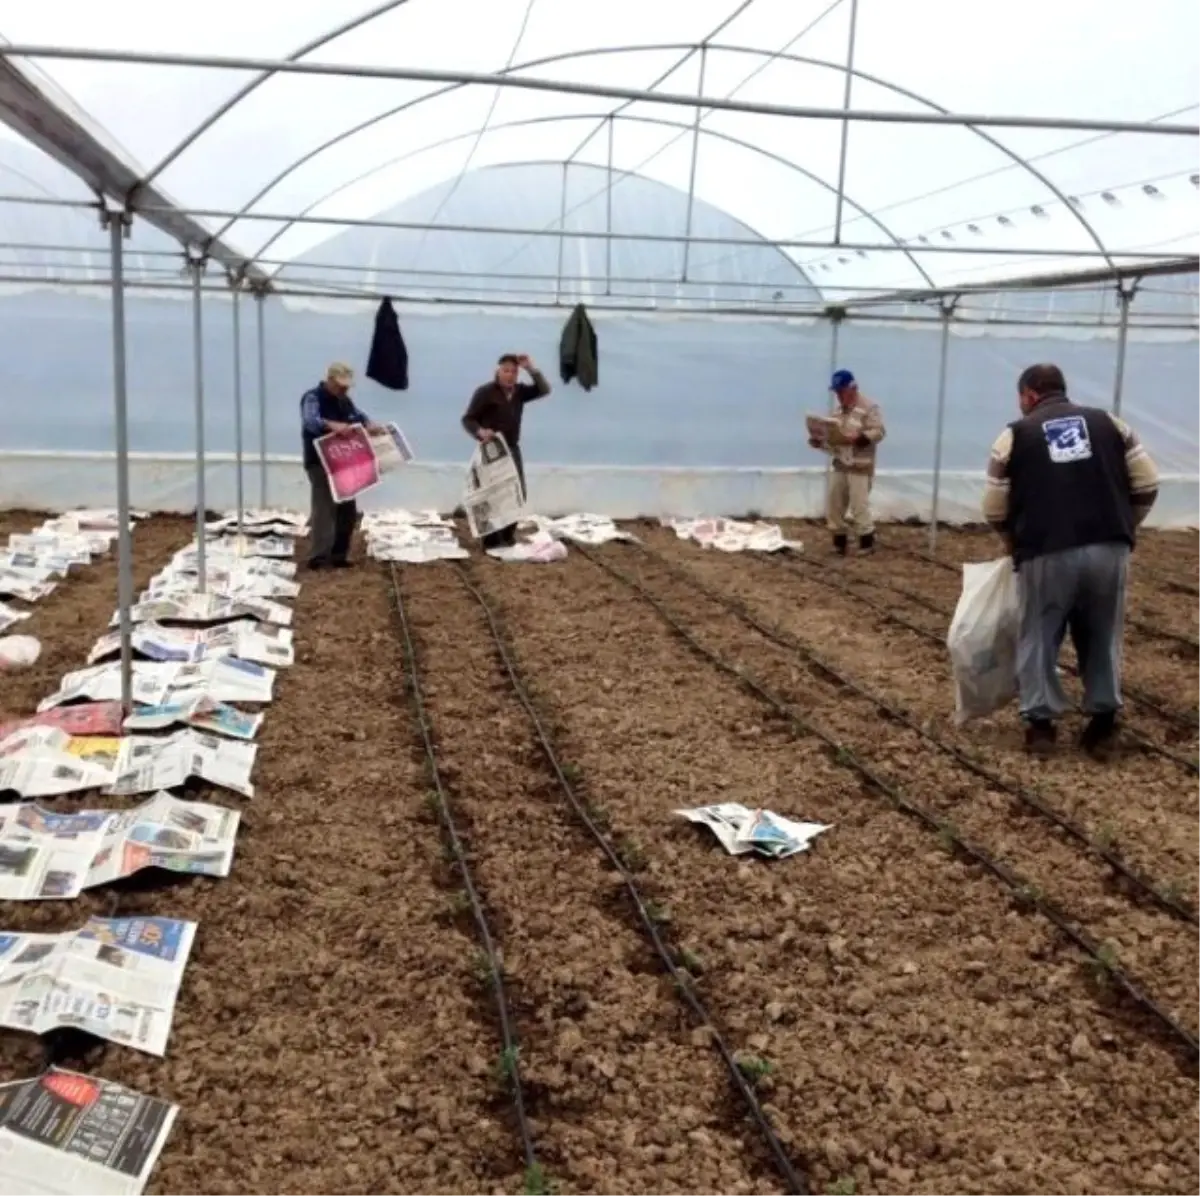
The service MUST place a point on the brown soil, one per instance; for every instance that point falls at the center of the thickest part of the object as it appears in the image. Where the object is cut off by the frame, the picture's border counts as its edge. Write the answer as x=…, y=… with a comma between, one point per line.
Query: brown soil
x=923, y=1033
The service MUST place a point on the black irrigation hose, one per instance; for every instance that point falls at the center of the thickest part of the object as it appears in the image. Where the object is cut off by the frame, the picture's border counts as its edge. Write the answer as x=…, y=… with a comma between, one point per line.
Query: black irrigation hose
x=512, y=1065
x=1154, y=891
x=1026, y=893
x=796, y=1183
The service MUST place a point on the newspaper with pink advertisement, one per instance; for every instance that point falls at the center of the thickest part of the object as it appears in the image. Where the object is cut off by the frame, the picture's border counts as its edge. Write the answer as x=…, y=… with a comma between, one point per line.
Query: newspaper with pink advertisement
x=67, y=1134
x=116, y=978
x=355, y=460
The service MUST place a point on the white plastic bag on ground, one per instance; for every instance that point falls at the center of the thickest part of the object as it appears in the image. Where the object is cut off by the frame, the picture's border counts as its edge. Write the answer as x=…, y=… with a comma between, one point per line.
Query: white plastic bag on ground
x=983, y=640
x=18, y=651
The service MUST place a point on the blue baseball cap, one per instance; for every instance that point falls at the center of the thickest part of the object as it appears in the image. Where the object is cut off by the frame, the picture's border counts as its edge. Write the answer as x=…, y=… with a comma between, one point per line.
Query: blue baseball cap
x=841, y=380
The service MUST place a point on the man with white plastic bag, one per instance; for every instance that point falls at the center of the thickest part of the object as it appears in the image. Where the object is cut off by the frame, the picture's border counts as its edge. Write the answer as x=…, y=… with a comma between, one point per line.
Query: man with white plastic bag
x=1067, y=488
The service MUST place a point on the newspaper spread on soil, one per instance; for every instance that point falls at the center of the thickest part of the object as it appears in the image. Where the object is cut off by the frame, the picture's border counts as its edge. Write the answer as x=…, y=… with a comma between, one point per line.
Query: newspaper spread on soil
x=733, y=535
x=493, y=499
x=67, y=1134
x=9, y=616
x=205, y=608
x=224, y=576
x=199, y=712
x=48, y=856
x=264, y=644
x=36, y=761
x=88, y=718
x=539, y=549
x=116, y=978
x=583, y=529
x=16, y=583
x=147, y=763
x=740, y=829
x=412, y=537
x=261, y=523
x=220, y=678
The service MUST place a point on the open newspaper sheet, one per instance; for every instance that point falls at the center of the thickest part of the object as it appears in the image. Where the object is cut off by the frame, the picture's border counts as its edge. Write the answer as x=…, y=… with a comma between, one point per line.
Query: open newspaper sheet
x=539, y=549
x=18, y=583
x=88, y=718
x=37, y=567
x=227, y=576
x=10, y=616
x=67, y=1134
x=38, y=761
x=116, y=978
x=828, y=430
x=412, y=537
x=246, y=548
x=583, y=529
x=733, y=535
x=261, y=523
x=48, y=856
x=221, y=678
x=205, y=608
x=147, y=763
x=355, y=460
x=262, y=643
x=740, y=829
x=199, y=712
x=493, y=499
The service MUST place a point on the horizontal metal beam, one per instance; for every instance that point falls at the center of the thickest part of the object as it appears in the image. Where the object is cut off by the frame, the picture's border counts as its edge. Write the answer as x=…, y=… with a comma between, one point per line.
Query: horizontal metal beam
x=601, y=235
x=31, y=108
x=566, y=87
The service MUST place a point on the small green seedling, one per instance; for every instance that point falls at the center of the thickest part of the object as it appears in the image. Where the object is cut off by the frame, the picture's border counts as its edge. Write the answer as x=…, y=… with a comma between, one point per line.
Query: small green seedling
x=536, y=1183
x=845, y=1186
x=691, y=961
x=755, y=1068
x=507, y=1066
x=1106, y=836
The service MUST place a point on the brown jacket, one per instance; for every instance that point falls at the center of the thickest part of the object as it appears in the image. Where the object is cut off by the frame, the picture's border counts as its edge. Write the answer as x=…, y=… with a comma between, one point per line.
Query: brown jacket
x=863, y=419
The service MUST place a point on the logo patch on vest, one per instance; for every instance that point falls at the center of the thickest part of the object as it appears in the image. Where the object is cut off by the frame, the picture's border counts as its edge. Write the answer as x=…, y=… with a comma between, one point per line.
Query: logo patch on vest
x=1067, y=439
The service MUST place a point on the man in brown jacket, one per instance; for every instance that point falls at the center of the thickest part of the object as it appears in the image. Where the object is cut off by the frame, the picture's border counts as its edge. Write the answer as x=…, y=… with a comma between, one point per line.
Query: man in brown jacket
x=857, y=428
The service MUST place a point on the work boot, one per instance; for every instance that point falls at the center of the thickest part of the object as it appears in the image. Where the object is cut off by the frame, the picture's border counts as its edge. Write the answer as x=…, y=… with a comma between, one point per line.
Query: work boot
x=1040, y=737
x=866, y=544
x=840, y=543
x=1099, y=737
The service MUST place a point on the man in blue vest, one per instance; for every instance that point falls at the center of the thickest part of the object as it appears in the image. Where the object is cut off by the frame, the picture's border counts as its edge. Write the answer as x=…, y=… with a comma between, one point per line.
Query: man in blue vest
x=327, y=410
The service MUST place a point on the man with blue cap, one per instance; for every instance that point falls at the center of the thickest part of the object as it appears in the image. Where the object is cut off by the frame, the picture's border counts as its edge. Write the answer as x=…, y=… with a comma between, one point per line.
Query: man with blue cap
x=853, y=432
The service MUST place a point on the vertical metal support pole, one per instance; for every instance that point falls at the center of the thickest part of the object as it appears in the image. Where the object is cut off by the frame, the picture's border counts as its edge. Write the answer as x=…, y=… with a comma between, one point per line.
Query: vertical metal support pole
x=562, y=223
x=1125, y=299
x=940, y=423
x=197, y=267
x=260, y=299
x=691, y=194
x=117, y=229
x=237, y=403
x=608, y=214
x=846, y=91
x=836, y=315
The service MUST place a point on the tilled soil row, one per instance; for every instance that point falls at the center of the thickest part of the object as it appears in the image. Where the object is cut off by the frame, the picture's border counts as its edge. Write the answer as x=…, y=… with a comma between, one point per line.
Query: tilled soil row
x=1157, y=948
x=623, y=1094
x=325, y=1036
x=921, y=1034
x=1155, y=830
x=70, y=620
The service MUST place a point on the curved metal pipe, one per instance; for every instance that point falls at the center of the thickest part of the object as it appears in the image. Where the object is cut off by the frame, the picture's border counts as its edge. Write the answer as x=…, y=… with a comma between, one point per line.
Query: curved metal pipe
x=595, y=52
x=648, y=120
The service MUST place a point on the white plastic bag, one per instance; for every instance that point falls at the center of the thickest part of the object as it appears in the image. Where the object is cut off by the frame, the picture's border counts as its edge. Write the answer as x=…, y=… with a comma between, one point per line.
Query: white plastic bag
x=18, y=652
x=983, y=640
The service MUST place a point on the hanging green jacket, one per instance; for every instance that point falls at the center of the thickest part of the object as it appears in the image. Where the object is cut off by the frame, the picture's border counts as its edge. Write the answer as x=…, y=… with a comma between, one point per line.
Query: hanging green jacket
x=577, y=352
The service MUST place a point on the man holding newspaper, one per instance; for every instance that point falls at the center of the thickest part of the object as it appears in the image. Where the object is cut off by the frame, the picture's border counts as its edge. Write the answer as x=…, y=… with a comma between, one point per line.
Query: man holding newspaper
x=327, y=410
x=495, y=410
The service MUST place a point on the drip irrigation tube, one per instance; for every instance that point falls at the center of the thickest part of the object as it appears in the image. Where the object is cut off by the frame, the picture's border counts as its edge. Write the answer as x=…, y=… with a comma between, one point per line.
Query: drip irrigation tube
x=844, y=757
x=796, y=1183
x=1154, y=891
x=512, y=1068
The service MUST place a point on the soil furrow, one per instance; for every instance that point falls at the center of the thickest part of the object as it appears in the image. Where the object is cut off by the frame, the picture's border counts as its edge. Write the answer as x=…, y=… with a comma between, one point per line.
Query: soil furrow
x=608, y=1056
x=920, y=1031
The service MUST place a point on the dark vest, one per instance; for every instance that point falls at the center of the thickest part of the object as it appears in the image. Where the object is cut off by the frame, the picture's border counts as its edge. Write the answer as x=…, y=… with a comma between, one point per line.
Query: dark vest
x=1069, y=483
x=332, y=408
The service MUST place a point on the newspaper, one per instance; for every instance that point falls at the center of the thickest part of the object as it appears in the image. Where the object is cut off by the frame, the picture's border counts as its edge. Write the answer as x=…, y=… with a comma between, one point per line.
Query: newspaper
x=740, y=829
x=36, y=762
x=206, y=608
x=414, y=544
x=493, y=499
x=149, y=763
x=67, y=1134
x=10, y=616
x=248, y=547
x=17, y=583
x=88, y=718
x=261, y=523
x=102, y=683
x=264, y=644
x=37, y=566
x=46, y=855
x=199, y=712
x=355, y=460
x=115, y=978
x=221, y=678
x=827, y=429
x=583, y=529
x=733, y=535
x=540, y=549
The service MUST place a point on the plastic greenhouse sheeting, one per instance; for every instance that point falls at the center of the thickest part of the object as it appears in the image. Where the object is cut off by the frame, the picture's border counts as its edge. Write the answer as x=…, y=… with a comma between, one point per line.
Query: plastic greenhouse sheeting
x=981, y=194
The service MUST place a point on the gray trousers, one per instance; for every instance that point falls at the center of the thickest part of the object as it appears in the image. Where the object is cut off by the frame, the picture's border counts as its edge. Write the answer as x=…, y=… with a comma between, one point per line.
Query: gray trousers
x=1081, y=590
x=331, y=523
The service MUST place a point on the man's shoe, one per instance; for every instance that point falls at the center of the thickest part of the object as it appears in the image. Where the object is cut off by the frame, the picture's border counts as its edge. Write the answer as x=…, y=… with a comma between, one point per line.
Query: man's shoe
x=866, y=544
x=1099, y=737
x=1040, y=737
x=840, y=544
x=317, y=562
x=340, y=563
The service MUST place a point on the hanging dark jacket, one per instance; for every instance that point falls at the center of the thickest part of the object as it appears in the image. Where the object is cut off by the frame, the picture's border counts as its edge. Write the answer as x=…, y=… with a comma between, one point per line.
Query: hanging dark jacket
x=388, y=362
x=577, y=352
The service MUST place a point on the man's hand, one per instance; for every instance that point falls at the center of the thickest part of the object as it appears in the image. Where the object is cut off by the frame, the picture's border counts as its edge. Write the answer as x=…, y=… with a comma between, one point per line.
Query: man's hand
x=336, y=427
x=862, y=440
x=374, y=428
x=525, y=362
x=813, y=442
x=485, y=434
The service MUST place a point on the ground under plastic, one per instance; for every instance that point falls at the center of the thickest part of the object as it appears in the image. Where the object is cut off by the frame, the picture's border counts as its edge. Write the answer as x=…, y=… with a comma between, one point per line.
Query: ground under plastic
x=924, y=1032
